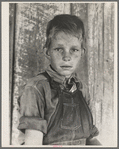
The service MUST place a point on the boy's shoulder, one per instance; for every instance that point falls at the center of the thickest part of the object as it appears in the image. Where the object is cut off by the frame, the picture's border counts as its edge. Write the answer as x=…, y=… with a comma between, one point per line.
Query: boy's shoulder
x=39, y=82
x=39, y=78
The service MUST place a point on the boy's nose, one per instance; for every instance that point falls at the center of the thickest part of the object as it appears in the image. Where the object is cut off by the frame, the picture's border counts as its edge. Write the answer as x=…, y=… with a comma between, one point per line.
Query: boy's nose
x=66, y=57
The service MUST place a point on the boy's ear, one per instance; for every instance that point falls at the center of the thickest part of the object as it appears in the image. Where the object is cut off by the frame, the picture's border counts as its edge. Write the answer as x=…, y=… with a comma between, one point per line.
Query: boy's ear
x=83, y=45
x=46, y=52
x=83, y=51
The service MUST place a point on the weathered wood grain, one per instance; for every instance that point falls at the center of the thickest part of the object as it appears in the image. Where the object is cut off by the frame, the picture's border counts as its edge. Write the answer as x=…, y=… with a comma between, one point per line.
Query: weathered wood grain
x=100, y=68
x=90, y=47
x=95, y=47
x=111, y=54
x=108, y=98
x=11, y=60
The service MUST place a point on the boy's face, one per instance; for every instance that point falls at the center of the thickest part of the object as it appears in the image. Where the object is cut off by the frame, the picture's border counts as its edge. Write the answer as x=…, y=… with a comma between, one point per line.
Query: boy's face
x=65, y=53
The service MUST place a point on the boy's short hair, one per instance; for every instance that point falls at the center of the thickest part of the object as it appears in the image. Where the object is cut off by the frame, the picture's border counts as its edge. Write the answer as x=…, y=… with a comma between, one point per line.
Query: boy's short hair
x=66, y=23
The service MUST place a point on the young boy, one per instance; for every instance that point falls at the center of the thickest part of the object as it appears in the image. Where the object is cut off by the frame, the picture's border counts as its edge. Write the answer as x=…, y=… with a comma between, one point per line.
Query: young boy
x=53, y=105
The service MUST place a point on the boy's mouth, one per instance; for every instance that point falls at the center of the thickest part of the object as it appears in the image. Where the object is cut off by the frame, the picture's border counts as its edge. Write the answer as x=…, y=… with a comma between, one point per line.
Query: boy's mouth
x=66, y=67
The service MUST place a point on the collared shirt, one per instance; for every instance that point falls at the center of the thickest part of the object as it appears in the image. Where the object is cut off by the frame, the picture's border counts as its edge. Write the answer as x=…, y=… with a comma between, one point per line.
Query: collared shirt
x=62, y=81
x=48, y=105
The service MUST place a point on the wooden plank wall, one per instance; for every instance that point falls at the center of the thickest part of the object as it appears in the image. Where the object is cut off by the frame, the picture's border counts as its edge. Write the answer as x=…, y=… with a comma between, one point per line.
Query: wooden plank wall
x=101, y=68
x=96, y=68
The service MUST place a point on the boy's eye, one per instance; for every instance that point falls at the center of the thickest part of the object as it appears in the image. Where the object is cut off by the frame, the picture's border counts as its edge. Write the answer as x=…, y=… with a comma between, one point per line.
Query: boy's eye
x=58, y=49
x=74, y=50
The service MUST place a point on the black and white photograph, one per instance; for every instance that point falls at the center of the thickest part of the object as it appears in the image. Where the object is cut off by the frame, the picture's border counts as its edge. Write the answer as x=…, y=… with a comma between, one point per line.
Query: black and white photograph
x=59, y=74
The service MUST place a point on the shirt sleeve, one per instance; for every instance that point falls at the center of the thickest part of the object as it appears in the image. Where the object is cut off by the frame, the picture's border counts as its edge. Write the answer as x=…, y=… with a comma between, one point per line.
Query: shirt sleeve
x=32, y=110
x=93, y=132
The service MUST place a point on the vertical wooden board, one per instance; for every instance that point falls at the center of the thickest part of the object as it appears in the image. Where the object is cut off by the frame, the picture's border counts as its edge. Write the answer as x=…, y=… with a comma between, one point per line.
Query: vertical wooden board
x=107, y=117
x=66, y=8
x=100, y=56
x=95, y=60
x=79, y=9
x=90, y=49
x=11, y=46
x=111, y=54
x=31, y=21
x=11, y=34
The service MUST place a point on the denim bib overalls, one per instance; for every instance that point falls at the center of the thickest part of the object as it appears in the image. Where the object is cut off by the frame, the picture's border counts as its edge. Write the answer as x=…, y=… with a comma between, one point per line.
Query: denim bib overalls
x=72, y=120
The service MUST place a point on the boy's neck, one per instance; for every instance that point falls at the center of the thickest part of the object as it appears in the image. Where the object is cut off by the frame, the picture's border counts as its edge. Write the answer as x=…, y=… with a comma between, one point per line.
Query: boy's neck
x=66, y=77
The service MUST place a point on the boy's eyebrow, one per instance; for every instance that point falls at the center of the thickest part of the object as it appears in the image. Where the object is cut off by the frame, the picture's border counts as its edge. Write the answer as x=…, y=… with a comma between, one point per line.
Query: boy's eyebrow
x=58, y=45
x=61, y=45
x=74, y=47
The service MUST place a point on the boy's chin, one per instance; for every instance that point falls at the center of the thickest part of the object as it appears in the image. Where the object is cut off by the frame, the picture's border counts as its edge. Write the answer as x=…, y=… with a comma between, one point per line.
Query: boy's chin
x=67, y=75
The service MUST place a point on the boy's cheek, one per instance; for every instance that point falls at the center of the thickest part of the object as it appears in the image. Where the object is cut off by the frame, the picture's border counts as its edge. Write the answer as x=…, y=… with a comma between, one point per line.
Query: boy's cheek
x=76, y=58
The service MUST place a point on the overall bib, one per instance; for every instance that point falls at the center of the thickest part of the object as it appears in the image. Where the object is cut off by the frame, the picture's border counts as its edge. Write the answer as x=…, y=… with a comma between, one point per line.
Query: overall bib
x=72, y=120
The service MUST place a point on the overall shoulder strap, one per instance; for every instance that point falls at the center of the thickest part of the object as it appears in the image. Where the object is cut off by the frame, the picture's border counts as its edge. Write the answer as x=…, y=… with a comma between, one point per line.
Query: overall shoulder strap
x=46, y=75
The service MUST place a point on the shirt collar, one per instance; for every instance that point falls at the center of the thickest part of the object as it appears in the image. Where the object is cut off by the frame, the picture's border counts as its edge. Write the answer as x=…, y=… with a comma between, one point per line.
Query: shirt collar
x=58, y=78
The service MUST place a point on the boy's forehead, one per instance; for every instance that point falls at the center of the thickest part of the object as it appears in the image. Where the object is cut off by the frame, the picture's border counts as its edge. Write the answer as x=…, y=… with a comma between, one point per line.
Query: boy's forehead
x=65, y=35
x=61, y=37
